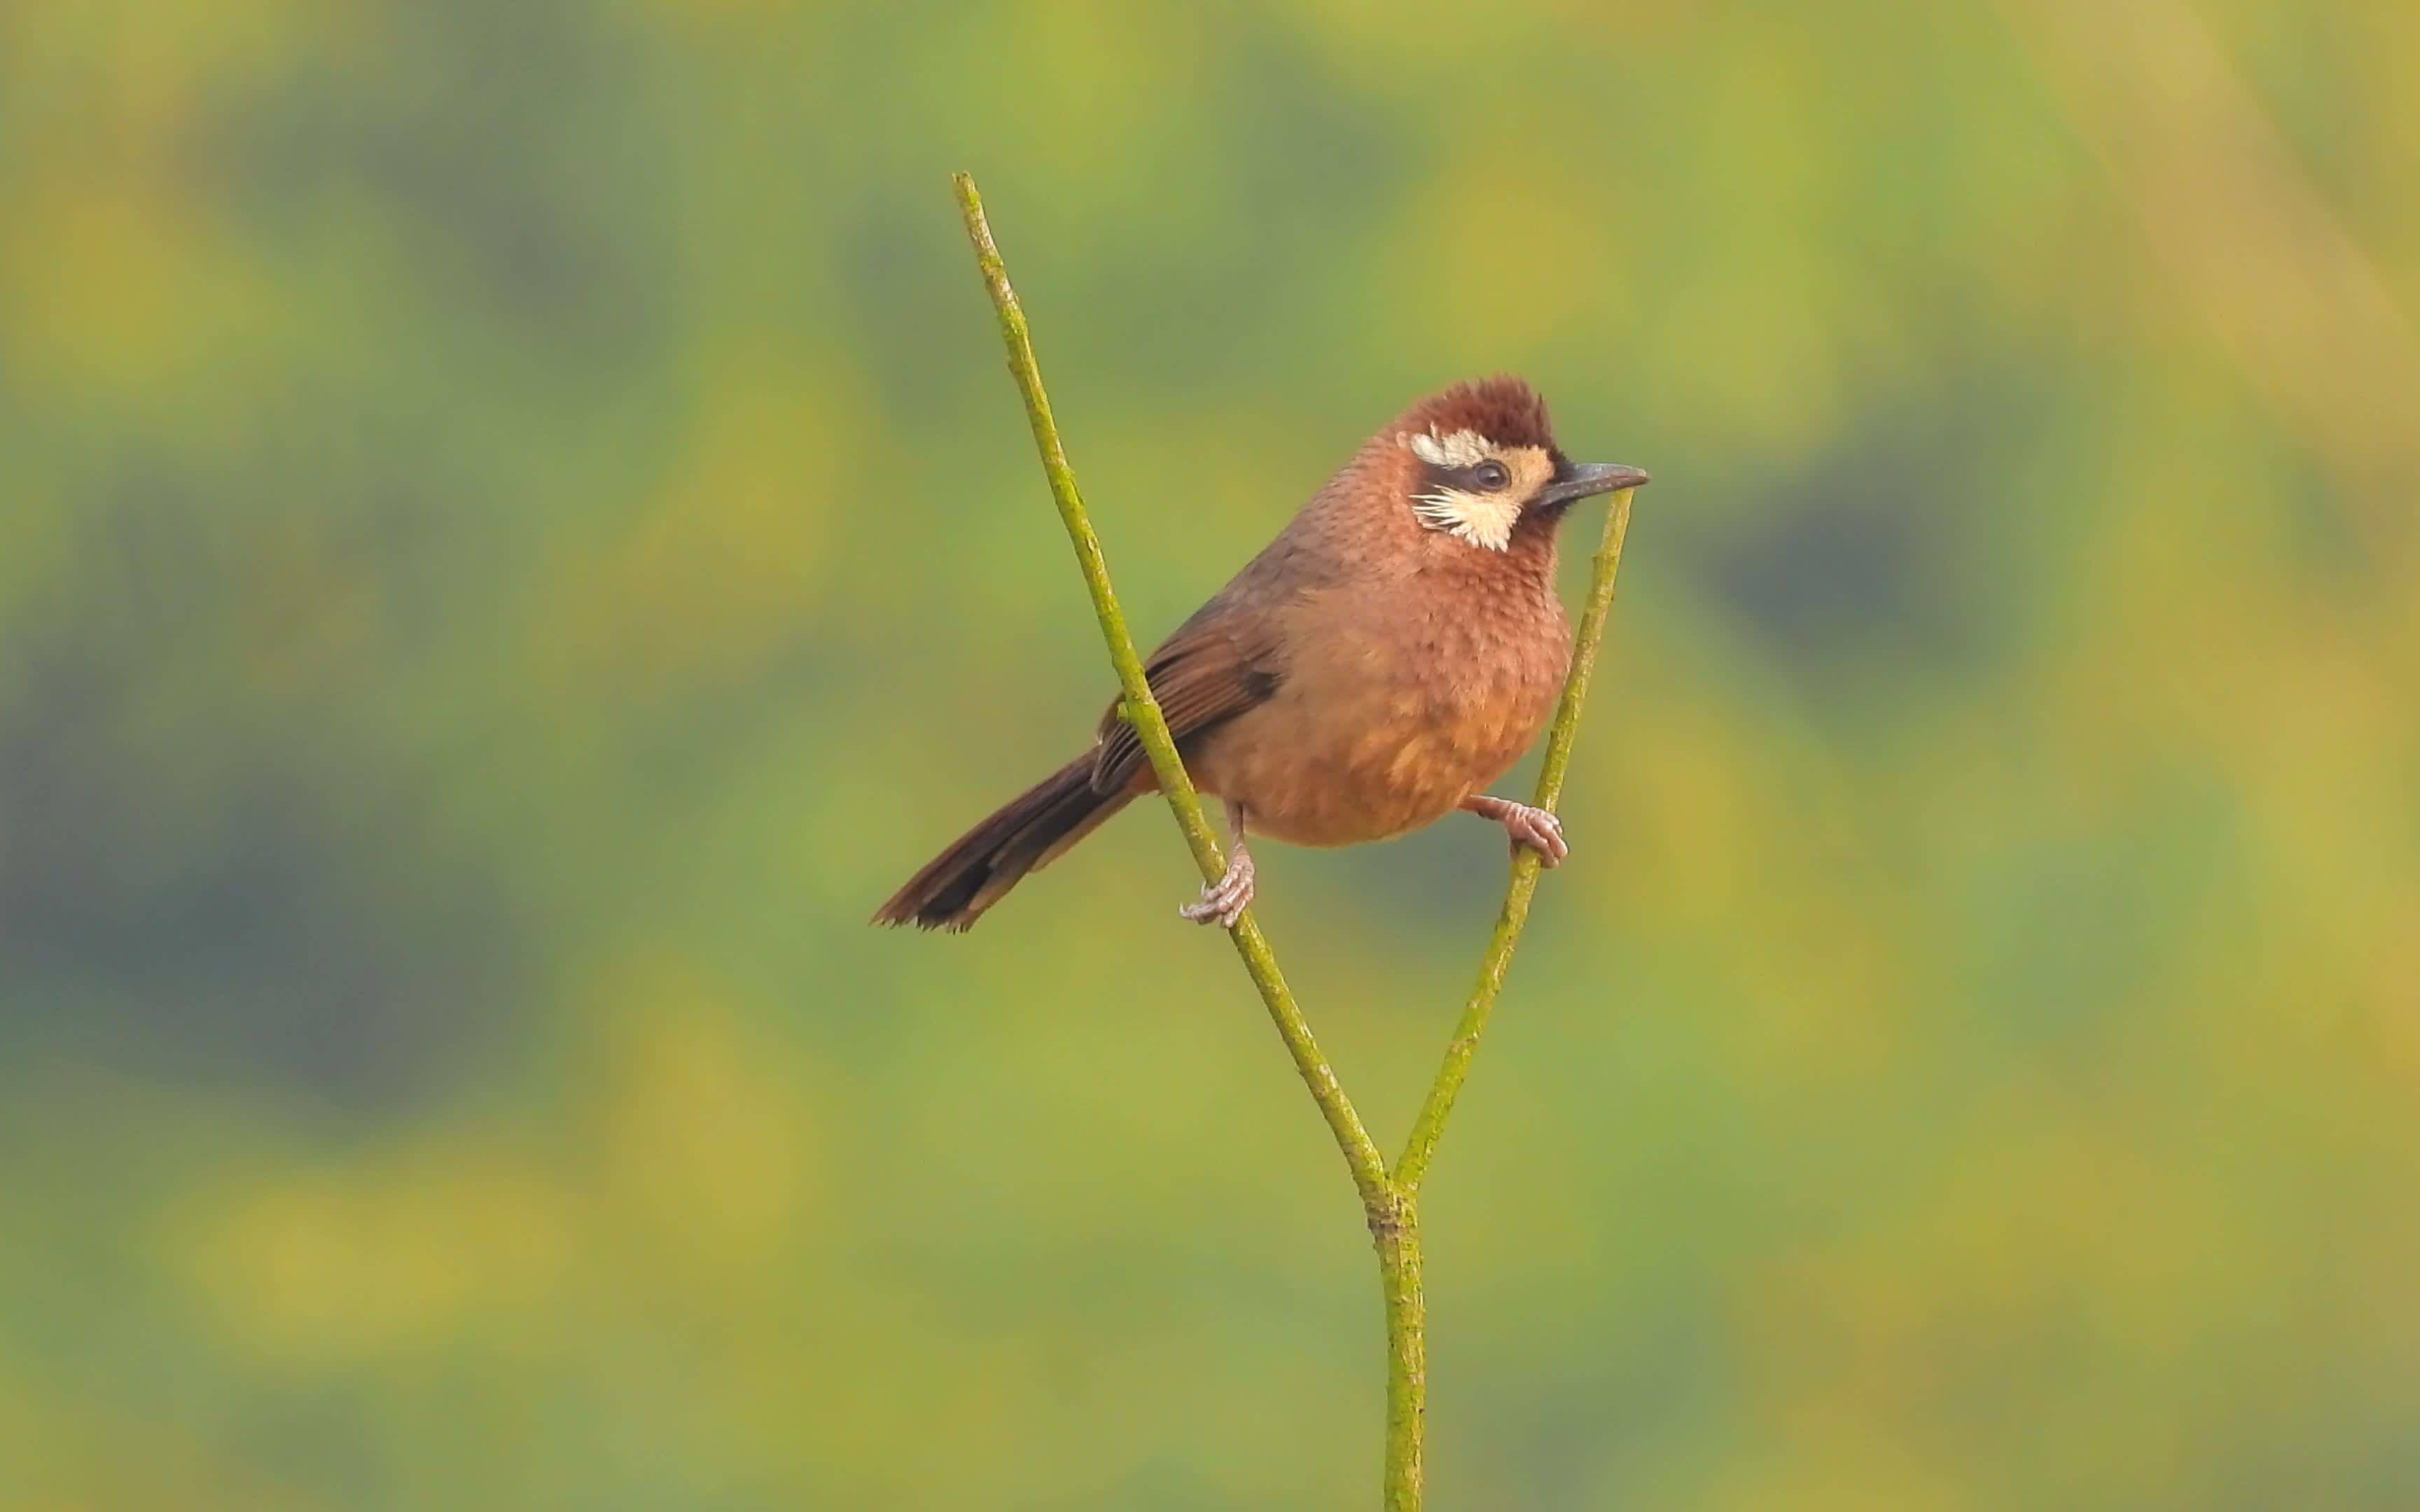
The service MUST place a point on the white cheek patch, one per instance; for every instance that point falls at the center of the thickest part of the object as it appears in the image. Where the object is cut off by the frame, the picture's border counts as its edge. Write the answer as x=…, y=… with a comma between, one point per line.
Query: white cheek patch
x=1483, y=519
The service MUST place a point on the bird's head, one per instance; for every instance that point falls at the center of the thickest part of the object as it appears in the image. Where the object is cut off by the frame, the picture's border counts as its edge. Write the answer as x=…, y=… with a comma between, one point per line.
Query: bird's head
x=1482, y=461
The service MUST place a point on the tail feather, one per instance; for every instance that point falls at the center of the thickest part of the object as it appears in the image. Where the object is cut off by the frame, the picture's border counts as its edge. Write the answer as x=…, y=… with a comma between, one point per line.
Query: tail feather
x=1028, y=832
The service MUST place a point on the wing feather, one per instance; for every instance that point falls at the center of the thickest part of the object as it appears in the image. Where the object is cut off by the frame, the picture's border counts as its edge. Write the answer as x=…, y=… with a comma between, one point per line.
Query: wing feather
x=1202, y=676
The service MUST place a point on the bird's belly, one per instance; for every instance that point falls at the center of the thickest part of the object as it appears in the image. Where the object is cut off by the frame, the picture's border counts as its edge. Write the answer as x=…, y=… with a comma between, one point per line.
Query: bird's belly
x=1342, y=772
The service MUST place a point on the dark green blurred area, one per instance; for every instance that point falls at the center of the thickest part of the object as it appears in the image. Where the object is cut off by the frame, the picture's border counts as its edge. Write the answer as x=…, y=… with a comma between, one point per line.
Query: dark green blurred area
x=514, y=538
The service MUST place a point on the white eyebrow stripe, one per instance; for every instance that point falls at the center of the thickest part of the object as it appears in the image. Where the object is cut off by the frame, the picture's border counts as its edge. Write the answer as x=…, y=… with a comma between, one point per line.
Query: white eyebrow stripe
x=1461, y=449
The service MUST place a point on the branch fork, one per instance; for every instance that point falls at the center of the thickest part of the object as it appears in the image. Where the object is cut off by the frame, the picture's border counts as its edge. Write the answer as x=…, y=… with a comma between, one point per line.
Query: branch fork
x=1388, y=1193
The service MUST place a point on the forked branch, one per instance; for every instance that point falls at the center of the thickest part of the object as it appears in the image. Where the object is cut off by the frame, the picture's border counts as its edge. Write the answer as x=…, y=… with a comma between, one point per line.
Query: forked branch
x=1387, y=1198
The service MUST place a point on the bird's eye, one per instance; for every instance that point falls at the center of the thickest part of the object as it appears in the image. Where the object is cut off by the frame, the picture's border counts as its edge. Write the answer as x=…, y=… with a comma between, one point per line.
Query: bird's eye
x=1489, y=475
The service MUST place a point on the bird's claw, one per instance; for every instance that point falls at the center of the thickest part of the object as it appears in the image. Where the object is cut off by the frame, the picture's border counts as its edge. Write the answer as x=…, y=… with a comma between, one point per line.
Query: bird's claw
x=1223, y=902
x=1536, y=829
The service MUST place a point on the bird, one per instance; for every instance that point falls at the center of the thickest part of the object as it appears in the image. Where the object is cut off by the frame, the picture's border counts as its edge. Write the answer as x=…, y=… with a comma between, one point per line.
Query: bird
x=1391, y=653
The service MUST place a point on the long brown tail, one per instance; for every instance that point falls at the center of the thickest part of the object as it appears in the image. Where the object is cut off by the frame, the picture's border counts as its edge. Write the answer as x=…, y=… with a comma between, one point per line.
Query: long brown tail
x=1029, y=832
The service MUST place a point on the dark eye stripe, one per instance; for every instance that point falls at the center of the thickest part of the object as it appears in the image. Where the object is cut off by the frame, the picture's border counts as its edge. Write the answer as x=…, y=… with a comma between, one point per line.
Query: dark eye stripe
x=1480, y=477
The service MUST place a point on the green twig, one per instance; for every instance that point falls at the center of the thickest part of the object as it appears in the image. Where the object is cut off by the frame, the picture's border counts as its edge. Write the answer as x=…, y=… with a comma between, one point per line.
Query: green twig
x=1387, y=1201
x=1141, y=710
x=1429, y=1124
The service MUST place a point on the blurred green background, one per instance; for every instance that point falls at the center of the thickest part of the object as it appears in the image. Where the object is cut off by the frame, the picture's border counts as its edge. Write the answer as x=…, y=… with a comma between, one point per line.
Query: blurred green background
x=514, y=537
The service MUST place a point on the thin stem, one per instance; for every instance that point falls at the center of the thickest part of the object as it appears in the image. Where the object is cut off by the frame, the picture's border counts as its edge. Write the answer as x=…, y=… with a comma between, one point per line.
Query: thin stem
x=1430, y=1125
x=1141, y=710
x=1395, y=1228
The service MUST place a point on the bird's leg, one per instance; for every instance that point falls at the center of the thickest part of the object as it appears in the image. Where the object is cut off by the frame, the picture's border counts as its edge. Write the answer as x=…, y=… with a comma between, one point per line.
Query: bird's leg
x=1223, y=902
x=1536, y=829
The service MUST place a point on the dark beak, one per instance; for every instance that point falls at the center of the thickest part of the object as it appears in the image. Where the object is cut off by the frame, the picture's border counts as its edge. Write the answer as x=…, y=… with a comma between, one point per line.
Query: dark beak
x=1584, y=478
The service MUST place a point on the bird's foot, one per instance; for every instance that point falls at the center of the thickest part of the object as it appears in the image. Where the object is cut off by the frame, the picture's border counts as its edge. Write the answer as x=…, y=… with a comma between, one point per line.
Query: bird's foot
x=1535, y=829
x=1223, y=902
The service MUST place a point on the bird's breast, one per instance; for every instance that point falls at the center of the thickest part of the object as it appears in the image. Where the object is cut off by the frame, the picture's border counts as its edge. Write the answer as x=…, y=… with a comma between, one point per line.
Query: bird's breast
x=1392, y=711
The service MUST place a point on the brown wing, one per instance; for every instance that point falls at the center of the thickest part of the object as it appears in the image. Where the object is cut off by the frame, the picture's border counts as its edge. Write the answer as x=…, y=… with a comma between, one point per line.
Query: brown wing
x=1205, y=675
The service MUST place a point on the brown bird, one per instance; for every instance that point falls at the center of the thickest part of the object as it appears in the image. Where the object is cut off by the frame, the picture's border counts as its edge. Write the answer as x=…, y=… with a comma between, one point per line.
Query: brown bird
x=1394, y=650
